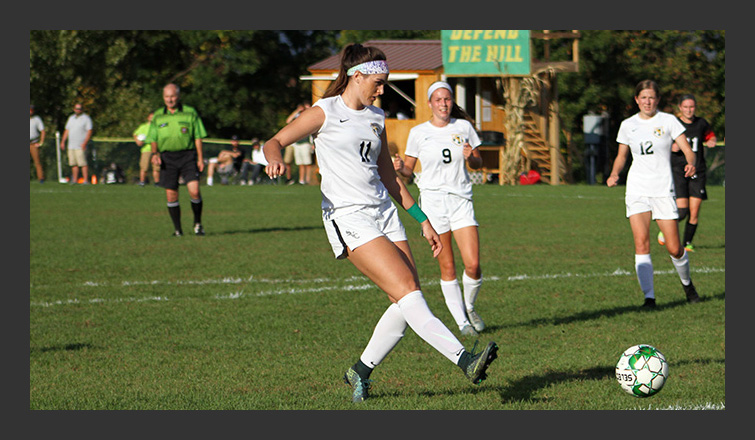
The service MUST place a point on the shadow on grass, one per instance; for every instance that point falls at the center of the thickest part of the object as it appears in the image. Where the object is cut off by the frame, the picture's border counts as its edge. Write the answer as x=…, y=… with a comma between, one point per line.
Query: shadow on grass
x=264, y=230
x=605, y=313
x=66, y=347
x=525, y=388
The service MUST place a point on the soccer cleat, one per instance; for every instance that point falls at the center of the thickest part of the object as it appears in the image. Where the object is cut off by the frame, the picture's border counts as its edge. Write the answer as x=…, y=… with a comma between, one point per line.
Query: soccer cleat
x=689, y=247
x=468, y=330
x=661, y=239
x=691, y=292
x=476, y=321
x=476, y=370
x=360, y=388
x=648, y=304
x=198, y=229
x=177, y=234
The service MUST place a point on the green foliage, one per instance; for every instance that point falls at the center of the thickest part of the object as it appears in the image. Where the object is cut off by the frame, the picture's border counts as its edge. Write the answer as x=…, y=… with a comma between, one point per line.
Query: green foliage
x=613, y=62
x=360, y=36
x=258, y=315
x=246, y=82
x=242, y=82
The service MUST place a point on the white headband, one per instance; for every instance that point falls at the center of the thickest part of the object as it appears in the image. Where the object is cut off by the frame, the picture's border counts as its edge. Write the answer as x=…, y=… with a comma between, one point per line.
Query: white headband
x=369, y=68
x=438, y=85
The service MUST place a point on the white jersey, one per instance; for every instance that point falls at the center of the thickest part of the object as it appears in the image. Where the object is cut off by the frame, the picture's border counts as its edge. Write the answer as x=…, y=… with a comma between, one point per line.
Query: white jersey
x=441, y=153
x=650, y=142
x=347, y=146
x=36, y=127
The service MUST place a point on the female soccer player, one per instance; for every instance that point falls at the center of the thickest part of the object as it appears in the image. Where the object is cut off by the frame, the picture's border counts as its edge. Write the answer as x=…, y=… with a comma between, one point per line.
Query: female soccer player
x=445, y=145
x=361, y=222
x=690, y=191
x=649, y=135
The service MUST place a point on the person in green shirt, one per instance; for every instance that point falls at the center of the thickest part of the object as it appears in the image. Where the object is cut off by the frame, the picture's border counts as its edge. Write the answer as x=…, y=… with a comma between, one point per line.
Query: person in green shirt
x=145, y=158
x=175, y=136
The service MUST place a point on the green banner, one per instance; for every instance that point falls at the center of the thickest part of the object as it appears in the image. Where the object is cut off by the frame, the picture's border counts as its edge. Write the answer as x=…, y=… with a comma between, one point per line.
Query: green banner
x=486, y=52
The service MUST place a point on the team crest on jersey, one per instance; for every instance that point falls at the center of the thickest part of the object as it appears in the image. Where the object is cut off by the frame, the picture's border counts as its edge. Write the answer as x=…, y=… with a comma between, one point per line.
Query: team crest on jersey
x=658, y=132
x=457, y=139
x=376, y=128
x=184, y=130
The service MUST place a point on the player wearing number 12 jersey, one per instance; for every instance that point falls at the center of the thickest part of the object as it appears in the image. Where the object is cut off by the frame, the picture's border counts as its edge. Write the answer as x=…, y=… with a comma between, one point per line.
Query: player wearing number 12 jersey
x=648, y=135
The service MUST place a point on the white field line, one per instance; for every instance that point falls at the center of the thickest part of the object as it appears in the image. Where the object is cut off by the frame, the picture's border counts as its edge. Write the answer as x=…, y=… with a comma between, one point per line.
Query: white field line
x=706, y=406
x=347, y=284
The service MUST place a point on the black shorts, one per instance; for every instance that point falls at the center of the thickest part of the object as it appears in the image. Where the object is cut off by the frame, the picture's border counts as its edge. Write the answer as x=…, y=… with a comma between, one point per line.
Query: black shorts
x=686, y=187
x=178, y=163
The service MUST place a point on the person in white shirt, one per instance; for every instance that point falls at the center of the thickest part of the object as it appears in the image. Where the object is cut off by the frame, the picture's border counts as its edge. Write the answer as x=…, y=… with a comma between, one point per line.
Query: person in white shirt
x=36, y=140
x=78, y=133
x=445, y=145
x=361, y=222
x=649, y=135
x=256, y=163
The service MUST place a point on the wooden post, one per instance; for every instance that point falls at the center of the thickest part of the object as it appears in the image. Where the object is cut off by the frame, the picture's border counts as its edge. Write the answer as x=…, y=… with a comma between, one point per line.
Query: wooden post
x=554, y=130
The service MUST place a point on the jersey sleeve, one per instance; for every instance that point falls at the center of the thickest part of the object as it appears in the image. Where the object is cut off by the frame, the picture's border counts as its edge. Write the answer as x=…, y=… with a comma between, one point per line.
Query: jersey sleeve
x=622, y=136
x=412, y=143
x=199, y=130
x=473, y=138
x=676, y=128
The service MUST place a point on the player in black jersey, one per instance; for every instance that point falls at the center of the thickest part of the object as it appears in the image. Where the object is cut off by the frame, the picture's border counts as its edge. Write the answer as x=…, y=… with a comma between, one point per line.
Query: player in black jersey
x=690, y=191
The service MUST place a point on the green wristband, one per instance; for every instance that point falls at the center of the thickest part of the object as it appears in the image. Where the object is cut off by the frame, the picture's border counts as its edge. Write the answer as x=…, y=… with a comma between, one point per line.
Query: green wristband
x=417, y=213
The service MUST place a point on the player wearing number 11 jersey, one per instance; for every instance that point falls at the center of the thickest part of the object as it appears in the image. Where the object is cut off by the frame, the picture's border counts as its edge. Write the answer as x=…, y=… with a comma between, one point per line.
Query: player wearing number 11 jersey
x=360, y=220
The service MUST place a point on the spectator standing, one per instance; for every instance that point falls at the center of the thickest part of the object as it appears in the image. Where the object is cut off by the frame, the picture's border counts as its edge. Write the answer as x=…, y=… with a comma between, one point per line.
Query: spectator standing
x=648, y=135
x=445, y=145
x=175, y=136
x=690, y=191
x=36, y=140
x=361, y=221
x=145, y=157
x=78, y=133
x=302, y=149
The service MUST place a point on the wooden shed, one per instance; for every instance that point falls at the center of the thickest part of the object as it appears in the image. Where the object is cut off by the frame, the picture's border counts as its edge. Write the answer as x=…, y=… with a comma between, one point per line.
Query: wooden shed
x=414, y=65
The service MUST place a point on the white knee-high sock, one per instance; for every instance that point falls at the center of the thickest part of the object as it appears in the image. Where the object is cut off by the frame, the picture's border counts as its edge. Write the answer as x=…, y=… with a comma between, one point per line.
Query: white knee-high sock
x=682, y=268
x=428, y=327
x=388, y=332
x=471, y=289
x=454, y=302
x=643, y=265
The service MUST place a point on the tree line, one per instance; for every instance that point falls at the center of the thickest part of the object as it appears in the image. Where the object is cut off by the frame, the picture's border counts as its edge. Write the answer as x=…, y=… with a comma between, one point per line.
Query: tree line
x=247, y=82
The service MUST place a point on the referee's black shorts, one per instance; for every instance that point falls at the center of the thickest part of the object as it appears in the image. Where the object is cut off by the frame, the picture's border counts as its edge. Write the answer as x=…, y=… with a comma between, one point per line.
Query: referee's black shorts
x=175, y=164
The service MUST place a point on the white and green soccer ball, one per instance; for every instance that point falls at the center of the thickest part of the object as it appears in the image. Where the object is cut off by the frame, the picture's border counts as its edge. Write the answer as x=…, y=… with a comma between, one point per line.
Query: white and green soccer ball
x=642, y=370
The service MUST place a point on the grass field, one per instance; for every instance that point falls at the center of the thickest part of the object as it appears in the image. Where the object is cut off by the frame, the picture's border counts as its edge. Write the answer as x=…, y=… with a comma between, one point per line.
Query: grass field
x=258, y=315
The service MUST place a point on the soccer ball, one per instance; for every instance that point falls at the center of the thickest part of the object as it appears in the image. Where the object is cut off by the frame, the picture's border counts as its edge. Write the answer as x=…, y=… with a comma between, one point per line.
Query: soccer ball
x=642, y=370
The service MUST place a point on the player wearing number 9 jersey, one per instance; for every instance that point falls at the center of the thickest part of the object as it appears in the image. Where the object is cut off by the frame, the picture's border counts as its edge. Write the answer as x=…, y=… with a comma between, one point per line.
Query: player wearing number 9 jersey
x=445, y=145
x=361, y=222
